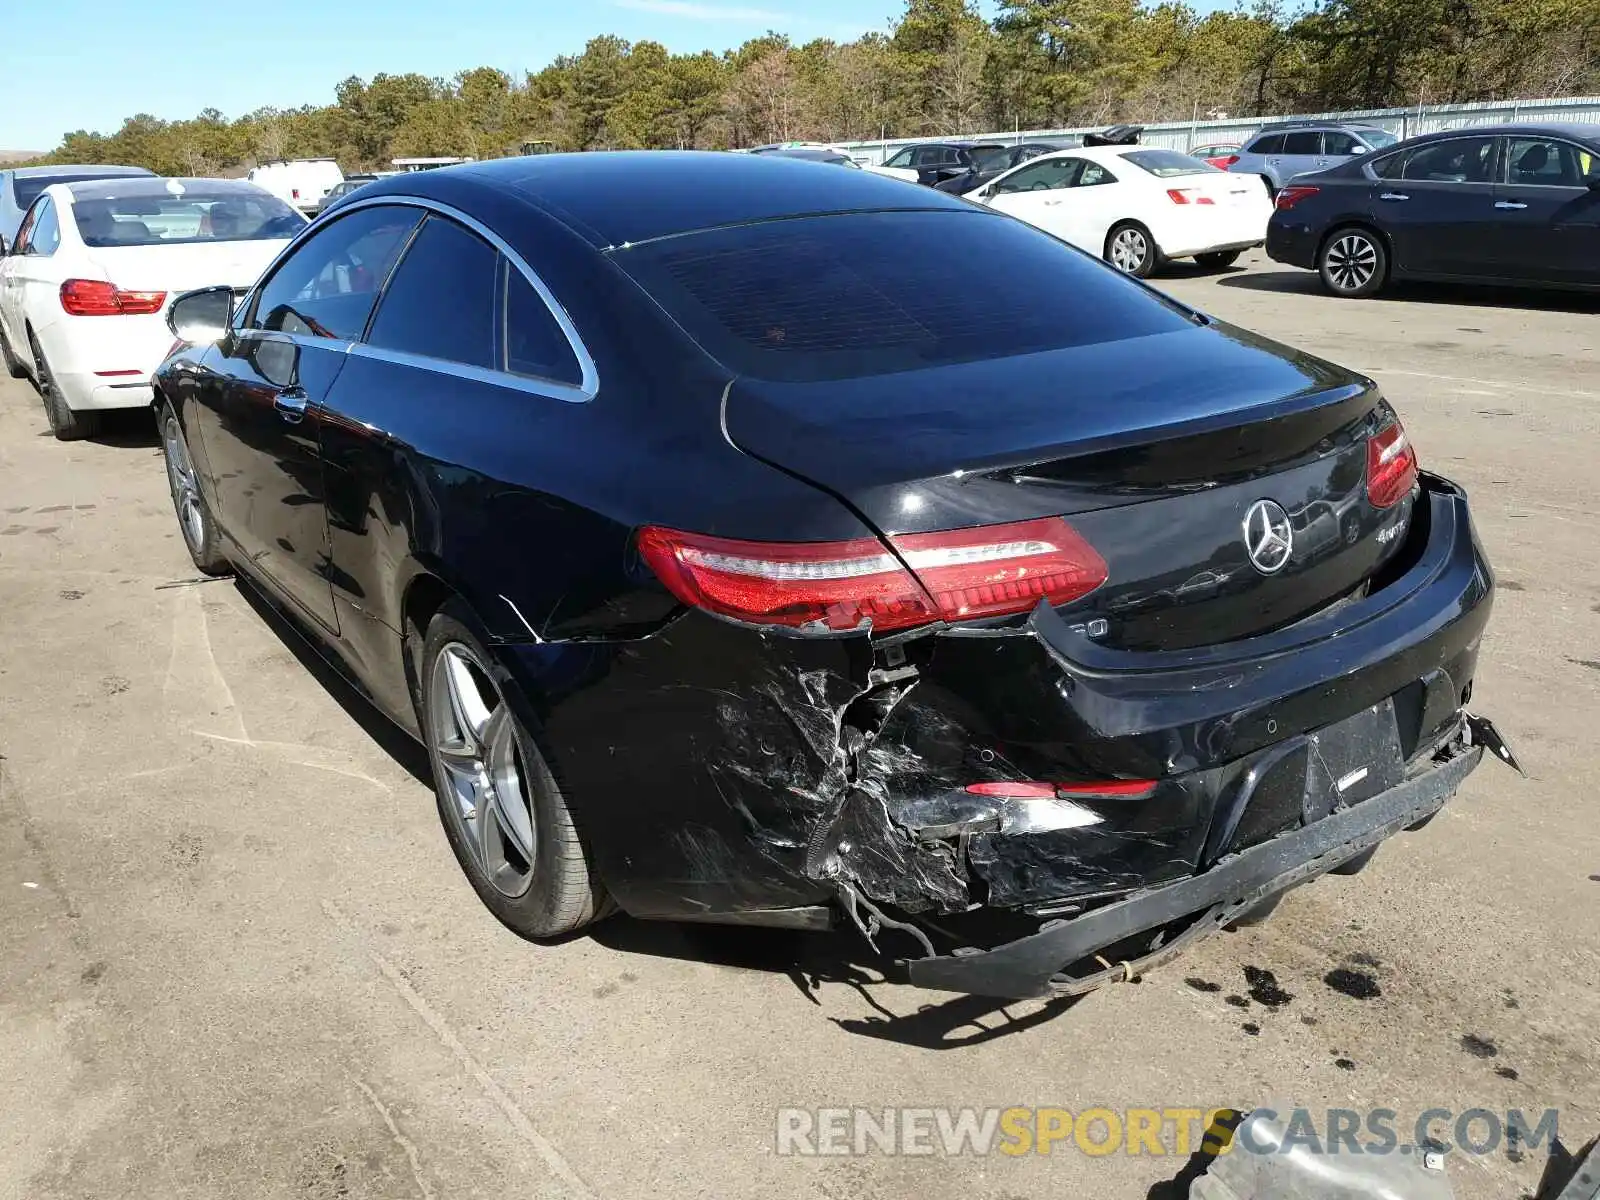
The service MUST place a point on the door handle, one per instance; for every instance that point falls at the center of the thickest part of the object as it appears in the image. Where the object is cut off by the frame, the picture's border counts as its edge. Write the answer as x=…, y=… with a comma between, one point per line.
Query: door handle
x=1393, y=196
x=1509, y=204
x=291, y=404
x=1051, y=203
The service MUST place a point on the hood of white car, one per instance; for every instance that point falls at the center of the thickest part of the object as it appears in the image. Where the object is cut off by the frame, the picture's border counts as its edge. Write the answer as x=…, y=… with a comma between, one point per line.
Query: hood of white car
x=187, y=265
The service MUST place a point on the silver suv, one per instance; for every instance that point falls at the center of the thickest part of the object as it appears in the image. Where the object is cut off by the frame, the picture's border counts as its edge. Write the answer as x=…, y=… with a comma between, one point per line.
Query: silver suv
x=1279, y=152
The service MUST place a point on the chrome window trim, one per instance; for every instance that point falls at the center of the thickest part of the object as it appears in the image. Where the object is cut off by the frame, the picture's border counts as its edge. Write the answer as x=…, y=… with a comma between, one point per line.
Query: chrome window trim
x=586, y=389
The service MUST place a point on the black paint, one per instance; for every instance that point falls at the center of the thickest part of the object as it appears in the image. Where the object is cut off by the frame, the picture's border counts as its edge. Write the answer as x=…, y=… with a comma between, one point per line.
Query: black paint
x=1344, y=1064
x=1506, y=1072
x=1238, y=1001
x=1202, y=985
x=1251, y=1028
x=1264, y=988
x=1478, y=1047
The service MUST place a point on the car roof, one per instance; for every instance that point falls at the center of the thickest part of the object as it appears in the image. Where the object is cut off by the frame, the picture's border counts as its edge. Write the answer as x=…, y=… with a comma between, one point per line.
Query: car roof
x=135, y=186
x=1280, y=126
x=598, y=194
x=78, y=169
x=1582, y=131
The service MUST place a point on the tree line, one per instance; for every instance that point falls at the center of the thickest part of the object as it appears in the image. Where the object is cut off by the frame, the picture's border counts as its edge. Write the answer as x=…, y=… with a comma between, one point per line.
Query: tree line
x=939, y=69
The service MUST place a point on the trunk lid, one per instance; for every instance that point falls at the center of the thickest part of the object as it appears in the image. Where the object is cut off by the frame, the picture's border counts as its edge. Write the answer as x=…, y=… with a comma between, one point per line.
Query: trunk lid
x=1157, y=450
x=185, y=266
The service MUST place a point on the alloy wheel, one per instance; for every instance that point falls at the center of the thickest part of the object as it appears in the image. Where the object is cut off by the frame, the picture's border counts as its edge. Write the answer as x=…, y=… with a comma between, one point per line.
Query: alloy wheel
x=185, y=492
x=1128, y=250
x=1352, y=262
x=475, y=745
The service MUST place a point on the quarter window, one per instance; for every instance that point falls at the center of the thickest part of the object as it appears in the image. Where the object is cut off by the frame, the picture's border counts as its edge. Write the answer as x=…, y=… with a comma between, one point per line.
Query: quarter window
x=1459, y=160
x=536, y=345
x=440, y=303
x=328, y=285
x=902, y=159
x=46, y=235
x=1094, y=173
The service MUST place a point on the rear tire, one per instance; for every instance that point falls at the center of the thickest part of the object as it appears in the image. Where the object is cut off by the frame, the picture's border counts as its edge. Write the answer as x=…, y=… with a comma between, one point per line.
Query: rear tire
x=14, y=367
x=1131, y=249
x=502, y=809
x=67, y=424
x=1218, y=260
x=1353, y=262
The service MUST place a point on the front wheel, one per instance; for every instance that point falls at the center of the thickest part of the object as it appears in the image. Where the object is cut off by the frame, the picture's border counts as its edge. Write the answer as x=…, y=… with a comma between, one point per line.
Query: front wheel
x=501, y=807
x=200, y=536
x=1353, y=263
x=1218, y=260
x=1131, y=249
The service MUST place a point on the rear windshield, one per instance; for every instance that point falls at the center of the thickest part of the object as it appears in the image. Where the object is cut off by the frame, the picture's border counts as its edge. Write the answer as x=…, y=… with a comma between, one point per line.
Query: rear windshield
x=28, y=187
x=194, y=216
x=1164, y=164
x=839, y=297
x=987, y=156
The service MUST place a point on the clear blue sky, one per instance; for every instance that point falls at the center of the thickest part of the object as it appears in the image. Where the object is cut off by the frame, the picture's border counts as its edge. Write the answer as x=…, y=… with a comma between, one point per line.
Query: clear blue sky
x=86, y=64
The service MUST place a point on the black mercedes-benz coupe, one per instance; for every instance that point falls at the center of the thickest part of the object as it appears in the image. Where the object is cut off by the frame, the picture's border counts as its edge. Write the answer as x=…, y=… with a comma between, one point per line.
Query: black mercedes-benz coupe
x=1517, y=204
x=751, y=541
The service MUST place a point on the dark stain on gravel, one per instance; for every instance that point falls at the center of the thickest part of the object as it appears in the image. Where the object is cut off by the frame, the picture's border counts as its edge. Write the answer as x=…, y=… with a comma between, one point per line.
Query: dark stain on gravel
x=1345, y=1064
x=1478, y=1047
x=1237, y=1001
x=1358, y=985
x=1507, y=1073
x=1264, y=989
x=1202, y=985
x=1251, y=1028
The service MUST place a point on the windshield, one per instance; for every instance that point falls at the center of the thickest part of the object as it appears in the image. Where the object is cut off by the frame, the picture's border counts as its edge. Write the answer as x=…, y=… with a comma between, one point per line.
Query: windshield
x=1164, y=164
x=192, y=217
x=1378, y=138
x=859, y=294
x=28, y=187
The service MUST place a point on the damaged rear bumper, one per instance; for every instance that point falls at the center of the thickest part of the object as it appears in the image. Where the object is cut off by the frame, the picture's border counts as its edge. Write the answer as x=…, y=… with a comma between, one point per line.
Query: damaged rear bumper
x=1036, y=965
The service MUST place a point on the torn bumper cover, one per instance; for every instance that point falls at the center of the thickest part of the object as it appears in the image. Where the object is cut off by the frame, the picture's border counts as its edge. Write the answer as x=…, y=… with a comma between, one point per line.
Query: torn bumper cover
x=1033, y=966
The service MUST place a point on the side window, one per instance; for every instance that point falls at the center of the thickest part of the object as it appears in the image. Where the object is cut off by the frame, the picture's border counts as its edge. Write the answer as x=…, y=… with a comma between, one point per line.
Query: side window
x=328, y=286
x=1306, y=141
x=440, y=302
x=536, y=345
x=1459, y=160
x=901, y=159
x=1272, y=143
x=1540, y=161
x=1094, y=173
x=19, y=244
x=1042, y=176
x=46, y=236
x=1391, y=166
x=1335, y=141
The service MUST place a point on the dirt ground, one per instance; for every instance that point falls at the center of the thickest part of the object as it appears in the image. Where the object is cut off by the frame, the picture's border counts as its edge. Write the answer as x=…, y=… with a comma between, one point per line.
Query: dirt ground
x=237, y=957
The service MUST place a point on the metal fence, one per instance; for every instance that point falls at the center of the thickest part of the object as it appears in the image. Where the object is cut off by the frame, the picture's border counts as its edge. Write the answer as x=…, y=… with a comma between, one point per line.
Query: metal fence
x=1403, y=122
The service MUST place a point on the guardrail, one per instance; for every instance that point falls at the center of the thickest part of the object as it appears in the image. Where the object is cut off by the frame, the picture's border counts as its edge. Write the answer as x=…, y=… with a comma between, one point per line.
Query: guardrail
x=1183, y=135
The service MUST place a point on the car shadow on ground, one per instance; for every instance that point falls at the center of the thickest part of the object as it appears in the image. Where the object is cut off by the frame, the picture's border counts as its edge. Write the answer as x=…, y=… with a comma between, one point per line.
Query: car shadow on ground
x=840, y=956
x=394, y=742
x=129, y=429
x=1308, y=283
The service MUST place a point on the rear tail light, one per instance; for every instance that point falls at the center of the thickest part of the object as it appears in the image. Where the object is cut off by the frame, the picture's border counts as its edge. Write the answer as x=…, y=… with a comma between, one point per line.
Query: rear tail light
x=1225, y=163
x=1188, y=196
x=1391, y=466
x=97, y=298
x=957, y=575
x=1292, y=195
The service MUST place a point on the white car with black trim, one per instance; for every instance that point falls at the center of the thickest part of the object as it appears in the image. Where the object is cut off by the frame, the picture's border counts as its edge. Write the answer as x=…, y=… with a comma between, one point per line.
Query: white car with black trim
x=1136, y=206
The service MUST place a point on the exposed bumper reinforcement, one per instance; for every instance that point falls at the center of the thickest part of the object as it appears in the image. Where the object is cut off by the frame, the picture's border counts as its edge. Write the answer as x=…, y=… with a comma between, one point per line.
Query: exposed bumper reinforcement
x=1032, y=966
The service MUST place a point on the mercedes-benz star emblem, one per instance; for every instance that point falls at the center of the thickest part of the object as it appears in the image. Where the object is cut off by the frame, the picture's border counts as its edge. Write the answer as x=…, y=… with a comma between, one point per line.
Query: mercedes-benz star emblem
x=1268, y=536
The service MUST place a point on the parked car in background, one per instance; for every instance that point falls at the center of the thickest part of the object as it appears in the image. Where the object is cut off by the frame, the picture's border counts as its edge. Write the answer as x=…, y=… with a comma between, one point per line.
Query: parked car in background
x=821, y=154
x=301, y=182
x=85, y=287
x=1136, y=206
x=1279, y=152
x=800, y=546
x=20, y=187
x=932, y=163
x=992, y=166
x=1502, y=204
x=340, y=190
x=1220, y=155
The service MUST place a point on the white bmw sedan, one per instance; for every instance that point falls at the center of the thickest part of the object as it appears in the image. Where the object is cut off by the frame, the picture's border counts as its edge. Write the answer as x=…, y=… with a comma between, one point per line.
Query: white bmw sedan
x=85, y=286
x=1136, y=206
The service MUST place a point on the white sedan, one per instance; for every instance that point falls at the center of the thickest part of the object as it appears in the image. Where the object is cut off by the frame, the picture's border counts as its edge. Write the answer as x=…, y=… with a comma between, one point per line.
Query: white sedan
x=1136, y=206
x=85, y=286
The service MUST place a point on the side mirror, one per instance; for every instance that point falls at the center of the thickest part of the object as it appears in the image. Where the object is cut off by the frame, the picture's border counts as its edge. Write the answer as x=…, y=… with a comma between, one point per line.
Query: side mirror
x=203, y=316
x=985, y=192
